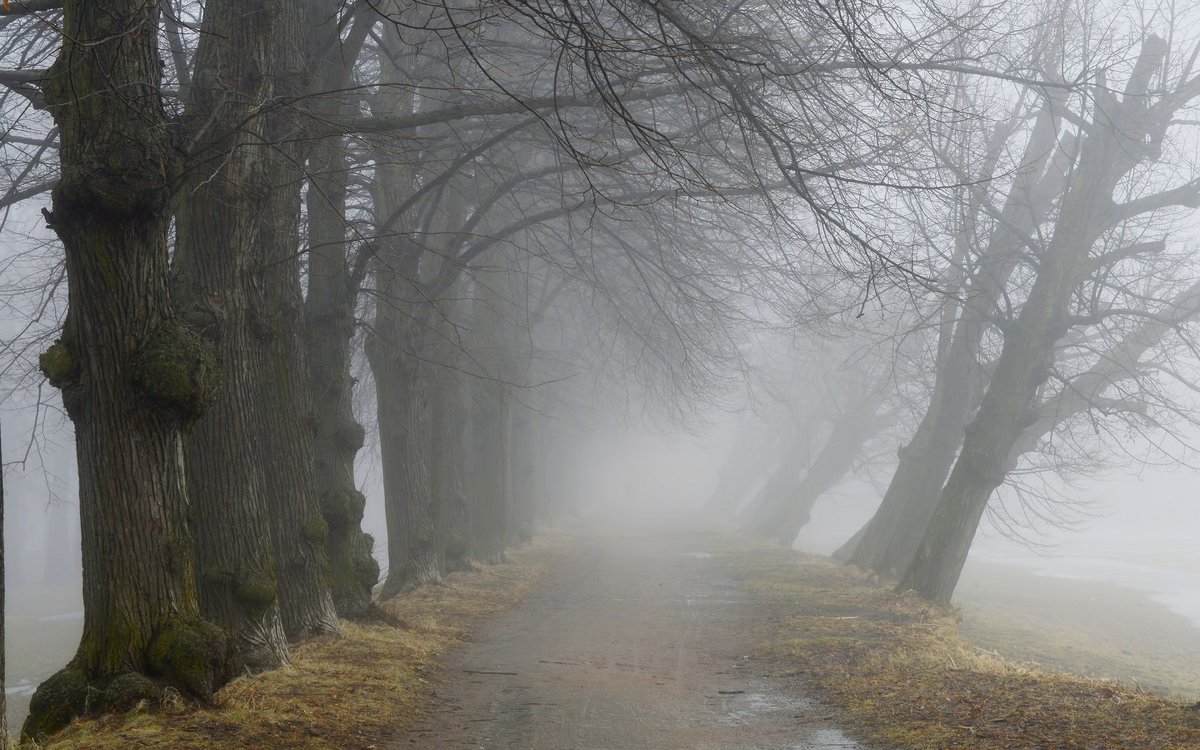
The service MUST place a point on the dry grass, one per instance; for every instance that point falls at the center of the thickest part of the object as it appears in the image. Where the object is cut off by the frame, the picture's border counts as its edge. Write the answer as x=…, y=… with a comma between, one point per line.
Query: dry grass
x=350, y=692
x=901, y=675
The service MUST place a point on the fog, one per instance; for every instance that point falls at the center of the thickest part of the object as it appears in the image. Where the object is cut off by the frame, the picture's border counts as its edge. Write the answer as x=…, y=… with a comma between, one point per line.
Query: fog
x=346, y=301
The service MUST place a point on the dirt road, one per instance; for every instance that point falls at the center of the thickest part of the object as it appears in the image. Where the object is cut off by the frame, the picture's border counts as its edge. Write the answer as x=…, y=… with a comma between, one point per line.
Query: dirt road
x=642, y=642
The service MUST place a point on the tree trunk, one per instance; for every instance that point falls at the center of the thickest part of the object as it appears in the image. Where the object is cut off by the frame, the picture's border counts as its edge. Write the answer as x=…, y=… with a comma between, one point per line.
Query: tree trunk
x=858, y=424
x=522, y=437
x=890, y=539
x=217, y=227
x=393, y=351
x=3, y=610
x=446, y=434
x=1009, y=406
x=488, y=502
x=329, y=317
x=891, y=536
x=132, y=379
x=759, y=517
x=751, y=458
x=284, y=418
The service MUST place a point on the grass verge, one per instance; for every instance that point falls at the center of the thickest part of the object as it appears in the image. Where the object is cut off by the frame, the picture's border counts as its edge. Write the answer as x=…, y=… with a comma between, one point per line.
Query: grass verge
x=901, y=675
x=355, y=691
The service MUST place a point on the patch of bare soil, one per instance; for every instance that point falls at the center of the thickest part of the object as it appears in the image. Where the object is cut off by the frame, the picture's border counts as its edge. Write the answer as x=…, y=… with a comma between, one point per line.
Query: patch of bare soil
x=639, y=642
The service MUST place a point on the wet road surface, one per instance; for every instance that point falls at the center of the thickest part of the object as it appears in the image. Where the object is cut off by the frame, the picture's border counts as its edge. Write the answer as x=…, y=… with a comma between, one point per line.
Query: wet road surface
x=643, y=641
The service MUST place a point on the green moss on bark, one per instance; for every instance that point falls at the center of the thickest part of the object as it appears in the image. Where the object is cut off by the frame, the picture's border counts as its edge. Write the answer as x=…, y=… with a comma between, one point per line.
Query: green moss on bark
x=61, y=368
x=257, y=589
x=193, y=656
x=58, y=700
x=178, y=369
x=366, y=567
x=128, y=690
x=58, y=364
x=315, y=529
x=342, y=504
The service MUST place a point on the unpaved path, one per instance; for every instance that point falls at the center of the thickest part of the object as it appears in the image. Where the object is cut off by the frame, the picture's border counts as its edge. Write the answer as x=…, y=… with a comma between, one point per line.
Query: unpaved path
x=643, y=641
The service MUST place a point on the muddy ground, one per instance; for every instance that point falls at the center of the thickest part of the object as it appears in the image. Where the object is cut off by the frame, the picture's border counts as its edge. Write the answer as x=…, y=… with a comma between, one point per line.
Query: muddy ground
x=643, y=641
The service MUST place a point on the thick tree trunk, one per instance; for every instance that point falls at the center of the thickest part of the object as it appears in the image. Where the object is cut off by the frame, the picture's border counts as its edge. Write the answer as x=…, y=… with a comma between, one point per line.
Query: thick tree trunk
x=399, y=338
x=523, y=438
x=284, y=417
x=217, y=228
x=131, y=378
x=447, y=431
x=488, y=499
x=891, y=536
x=329, y=317
x=755, y=450
x=401, y=384
x=487, y=506
x=3, y=610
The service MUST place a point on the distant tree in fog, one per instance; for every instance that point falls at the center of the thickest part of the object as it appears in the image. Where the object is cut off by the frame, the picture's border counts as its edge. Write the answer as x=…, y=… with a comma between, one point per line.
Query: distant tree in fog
x=1098, y=227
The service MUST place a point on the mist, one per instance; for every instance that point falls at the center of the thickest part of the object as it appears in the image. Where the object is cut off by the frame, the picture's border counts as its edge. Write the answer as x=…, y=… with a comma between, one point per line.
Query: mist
x=593, y=373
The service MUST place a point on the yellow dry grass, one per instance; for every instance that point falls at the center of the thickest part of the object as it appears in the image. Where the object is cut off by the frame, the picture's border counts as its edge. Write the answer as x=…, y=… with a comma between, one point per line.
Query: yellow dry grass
x=349, y=692
x=901, y=675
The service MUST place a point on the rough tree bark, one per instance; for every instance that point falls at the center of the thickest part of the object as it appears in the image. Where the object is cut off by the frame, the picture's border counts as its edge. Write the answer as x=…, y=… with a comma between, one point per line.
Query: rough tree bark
x=132, y=378
x=398, y=340
x=3, y=610
x=329, y=317
x=488, y=501
x=402, y=387
x=447, y=431
x=283, y=417
x=224, y=199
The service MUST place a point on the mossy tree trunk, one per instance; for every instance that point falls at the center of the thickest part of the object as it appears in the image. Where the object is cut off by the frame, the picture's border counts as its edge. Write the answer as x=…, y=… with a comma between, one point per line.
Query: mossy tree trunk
x=329, y=318
x=224, y=201
x=284, y=417
x=131, y=379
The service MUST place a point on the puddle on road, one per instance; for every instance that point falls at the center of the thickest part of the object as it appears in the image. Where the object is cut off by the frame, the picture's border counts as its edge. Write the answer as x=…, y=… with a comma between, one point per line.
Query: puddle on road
x=697, y=555
x=828, y=739
x=748, y=707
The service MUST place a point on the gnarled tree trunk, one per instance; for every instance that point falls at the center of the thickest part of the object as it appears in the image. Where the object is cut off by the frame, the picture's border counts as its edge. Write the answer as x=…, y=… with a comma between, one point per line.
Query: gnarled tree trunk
x=131, y=377
x=889, y=540
x=223, y=202
x=284, y=415
x=329, y=322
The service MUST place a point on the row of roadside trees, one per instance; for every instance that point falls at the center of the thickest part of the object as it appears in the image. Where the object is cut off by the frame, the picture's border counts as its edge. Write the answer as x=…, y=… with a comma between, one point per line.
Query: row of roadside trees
x=490, y=213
